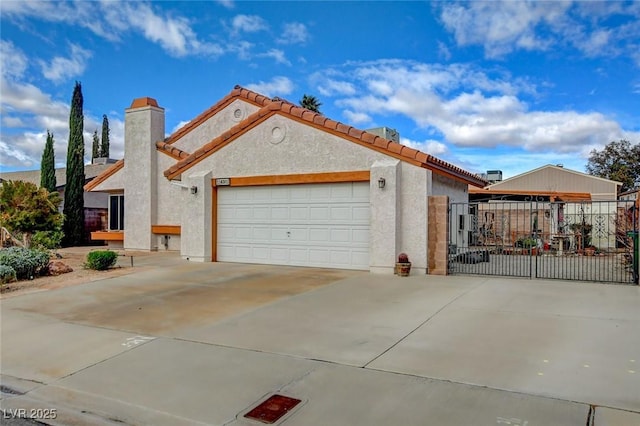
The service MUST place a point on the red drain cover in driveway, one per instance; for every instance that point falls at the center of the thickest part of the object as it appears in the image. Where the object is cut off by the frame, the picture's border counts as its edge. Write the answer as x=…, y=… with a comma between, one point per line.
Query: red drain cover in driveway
x=272, y=409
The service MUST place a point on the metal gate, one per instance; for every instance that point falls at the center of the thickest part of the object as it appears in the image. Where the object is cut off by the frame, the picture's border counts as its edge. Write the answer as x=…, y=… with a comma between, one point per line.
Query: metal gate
x=583, y=241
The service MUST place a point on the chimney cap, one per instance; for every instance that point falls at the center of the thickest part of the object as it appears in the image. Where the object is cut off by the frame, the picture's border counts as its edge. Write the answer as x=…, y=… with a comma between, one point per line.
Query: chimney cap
x=143, y=102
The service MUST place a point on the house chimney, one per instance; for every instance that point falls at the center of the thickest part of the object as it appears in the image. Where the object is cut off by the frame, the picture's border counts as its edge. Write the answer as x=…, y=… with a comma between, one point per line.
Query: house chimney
x=143, y=127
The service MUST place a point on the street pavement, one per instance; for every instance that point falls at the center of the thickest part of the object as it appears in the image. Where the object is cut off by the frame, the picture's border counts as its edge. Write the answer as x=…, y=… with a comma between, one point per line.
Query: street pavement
x=203, y=344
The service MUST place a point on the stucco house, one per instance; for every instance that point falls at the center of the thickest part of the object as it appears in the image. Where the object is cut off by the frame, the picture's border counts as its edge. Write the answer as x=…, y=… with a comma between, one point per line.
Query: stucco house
x=260, y=180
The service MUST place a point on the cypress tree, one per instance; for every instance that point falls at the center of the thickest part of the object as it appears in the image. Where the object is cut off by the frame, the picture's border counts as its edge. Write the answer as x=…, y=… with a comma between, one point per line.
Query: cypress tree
x=48, y=166
x=74, y=192
x=95, y=148
x=104, y=150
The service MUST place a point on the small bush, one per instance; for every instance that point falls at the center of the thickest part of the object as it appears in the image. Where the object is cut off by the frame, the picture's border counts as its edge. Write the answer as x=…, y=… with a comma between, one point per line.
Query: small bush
x=49, y=240
x=7, y=274
x=101, y=260
x=26, y=263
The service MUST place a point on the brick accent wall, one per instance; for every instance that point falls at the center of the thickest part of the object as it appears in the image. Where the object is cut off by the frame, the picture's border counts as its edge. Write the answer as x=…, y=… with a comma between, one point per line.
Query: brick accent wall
x=438, y=228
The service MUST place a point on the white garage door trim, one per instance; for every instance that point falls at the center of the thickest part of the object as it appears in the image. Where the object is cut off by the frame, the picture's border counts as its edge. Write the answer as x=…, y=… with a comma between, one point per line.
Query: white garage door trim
x=320, y=225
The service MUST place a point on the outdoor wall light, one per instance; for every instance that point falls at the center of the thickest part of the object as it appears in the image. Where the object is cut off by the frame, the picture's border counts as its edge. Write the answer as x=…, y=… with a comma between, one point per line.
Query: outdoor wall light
x=194, y=189
x=381, y=183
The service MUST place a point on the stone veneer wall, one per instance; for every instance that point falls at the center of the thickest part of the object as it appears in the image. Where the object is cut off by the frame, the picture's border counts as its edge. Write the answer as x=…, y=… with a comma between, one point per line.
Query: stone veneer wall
x=438, y=241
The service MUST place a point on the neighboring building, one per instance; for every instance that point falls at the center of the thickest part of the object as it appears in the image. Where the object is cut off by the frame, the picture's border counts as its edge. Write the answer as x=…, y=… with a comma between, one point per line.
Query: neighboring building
x=563, y=200
x=552, y=180
x=95, y=203
x=632, y=195
x=260, y=180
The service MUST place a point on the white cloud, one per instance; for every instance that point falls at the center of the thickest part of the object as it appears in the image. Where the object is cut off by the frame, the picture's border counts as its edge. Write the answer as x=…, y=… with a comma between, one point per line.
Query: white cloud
x=294, y=33
x=357, y=117
x=229, y=4
x=28, y=106
x=331, y=87
x=13, y=60
x=470, y=108
x=278, y=86
x=277, y=55
x=175, y=35
x=430, y=147
x=59, y=69
x=248, y=24
x=112, y=20
x=443, y=51
x=502, y=27
x=180, y=125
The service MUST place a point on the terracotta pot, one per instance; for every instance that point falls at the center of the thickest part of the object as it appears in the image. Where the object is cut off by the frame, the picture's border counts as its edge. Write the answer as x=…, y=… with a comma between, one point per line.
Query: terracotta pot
x=589, y=252
x=403, y=269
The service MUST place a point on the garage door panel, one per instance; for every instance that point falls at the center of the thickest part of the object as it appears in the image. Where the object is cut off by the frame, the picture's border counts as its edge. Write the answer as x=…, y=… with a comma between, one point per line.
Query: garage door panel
x=299, y=256
x=361, y=214
x=361, y=237
x=313, y=225
x=299, y=213
x=280, y=213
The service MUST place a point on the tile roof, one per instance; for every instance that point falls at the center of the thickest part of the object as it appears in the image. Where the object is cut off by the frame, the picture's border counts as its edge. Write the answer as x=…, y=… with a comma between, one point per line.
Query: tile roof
x=171, y=150
x=271, y=107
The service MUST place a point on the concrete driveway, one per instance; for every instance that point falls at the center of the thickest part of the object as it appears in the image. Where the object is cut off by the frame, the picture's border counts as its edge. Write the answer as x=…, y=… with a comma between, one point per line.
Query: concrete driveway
x=192, y=343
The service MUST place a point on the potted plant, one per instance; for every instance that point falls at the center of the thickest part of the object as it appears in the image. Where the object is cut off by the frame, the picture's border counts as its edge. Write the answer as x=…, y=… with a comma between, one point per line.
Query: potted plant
x=403, y=266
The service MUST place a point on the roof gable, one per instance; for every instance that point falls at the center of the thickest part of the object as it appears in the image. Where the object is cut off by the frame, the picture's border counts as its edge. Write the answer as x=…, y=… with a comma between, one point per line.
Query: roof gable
x=104, y=175
x=318, y=121
x=559, y=169
x=237, y=93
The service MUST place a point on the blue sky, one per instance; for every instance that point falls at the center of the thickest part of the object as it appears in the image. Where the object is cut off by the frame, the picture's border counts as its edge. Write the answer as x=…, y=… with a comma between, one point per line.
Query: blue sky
x=490, y=85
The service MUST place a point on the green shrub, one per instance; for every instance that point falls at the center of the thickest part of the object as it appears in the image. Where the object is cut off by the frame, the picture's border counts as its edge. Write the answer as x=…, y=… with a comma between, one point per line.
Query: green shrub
x=7, y=274
x=27, y=263
x=101, y=260
x=49, y=240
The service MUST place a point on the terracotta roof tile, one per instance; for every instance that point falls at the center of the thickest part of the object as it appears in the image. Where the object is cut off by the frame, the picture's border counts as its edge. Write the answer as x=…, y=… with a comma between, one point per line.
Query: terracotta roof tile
x=277, y=106
x=408, y=152
x=331, y=124
x=309, y=115
x=396, y=148
x=355, y=133
x=171, y=150
x=380, y=141
x=422, y=157
x=368, y=137
x=343, y=128
x=320, y=119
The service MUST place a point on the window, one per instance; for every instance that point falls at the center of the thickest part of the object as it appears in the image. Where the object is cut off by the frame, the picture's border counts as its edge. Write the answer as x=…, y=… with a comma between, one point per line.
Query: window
x=116, y=212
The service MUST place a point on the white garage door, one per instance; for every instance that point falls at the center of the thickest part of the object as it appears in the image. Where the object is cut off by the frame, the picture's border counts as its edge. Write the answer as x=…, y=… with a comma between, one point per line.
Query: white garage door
x=323, y=225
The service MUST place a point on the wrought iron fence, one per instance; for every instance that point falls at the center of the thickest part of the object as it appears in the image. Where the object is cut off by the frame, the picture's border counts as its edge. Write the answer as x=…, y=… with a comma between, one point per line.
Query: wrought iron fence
x=585, y=241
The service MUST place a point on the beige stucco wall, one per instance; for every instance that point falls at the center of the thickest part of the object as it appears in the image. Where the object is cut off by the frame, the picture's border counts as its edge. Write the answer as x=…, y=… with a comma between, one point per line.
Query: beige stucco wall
x=143, y=127
x=115, y=182
x=284, y=146
x=169, y=200
x=232, y=114
x=458, y=192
